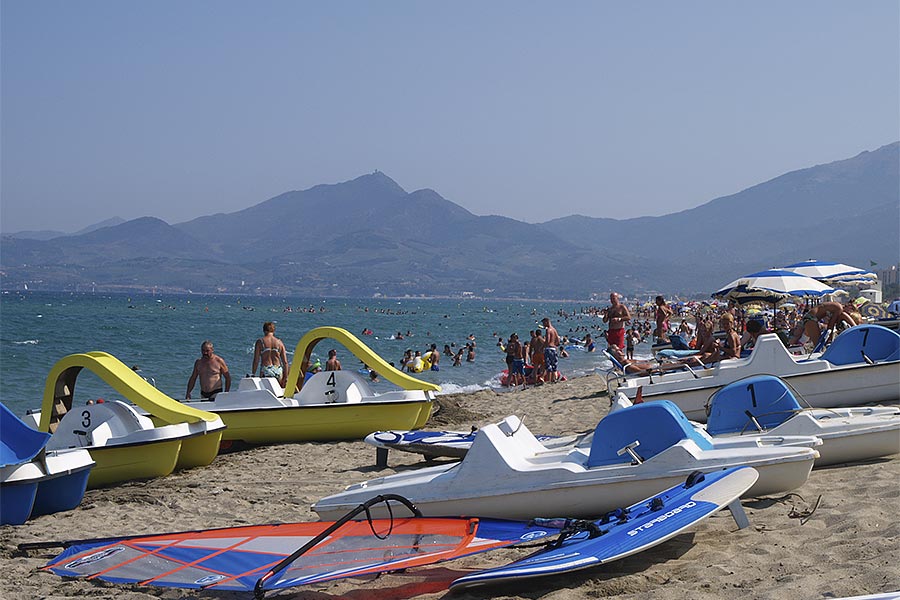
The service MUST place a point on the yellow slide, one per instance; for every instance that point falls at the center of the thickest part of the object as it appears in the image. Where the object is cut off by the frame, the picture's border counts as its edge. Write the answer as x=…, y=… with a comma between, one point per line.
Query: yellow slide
x=361, y=351
x=60, y=388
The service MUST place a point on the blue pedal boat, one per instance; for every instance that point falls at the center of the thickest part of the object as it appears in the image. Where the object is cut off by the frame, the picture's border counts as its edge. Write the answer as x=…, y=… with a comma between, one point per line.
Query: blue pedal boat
x=34, y=481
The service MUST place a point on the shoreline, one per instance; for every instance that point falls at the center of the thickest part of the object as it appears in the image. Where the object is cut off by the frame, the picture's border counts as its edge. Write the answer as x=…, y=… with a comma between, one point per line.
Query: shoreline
x=849, y=546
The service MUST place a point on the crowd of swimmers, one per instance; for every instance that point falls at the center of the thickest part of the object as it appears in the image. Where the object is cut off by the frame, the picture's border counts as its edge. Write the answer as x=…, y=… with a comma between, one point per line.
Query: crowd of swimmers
x=719, y=332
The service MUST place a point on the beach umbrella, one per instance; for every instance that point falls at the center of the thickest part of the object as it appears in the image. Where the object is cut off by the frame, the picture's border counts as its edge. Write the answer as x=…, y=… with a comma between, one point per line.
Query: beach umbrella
x=834, y=273
x=771, y=286
x=894, y=307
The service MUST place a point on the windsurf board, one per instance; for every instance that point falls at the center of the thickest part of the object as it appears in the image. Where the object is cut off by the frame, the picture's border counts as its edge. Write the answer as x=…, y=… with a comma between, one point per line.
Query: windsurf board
x=642, y=526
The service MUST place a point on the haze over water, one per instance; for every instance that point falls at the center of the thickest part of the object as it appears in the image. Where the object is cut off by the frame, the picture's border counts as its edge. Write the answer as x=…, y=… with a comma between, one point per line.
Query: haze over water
x=162, y=334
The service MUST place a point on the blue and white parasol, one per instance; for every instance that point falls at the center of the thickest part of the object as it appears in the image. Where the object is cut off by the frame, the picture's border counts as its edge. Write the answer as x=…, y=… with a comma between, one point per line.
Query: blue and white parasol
x=835, y=273
x=772, y=286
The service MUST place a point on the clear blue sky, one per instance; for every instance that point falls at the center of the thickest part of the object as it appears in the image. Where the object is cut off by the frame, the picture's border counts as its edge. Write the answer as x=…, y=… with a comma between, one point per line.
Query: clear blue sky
x=532, y=110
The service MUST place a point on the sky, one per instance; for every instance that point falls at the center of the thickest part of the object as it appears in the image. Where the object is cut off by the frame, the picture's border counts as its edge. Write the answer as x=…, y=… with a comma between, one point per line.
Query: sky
x=528, y=109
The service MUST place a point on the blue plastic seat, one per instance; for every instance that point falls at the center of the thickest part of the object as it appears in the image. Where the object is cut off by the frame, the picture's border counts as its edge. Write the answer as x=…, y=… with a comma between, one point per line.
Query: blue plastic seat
x=615, y=362
x=854, y=345
x=656, y=425
x=18, y=442
x=766, y=397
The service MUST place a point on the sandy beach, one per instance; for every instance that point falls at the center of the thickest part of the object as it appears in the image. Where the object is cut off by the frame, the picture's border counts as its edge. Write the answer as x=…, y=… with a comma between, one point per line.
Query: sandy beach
x=849, y=546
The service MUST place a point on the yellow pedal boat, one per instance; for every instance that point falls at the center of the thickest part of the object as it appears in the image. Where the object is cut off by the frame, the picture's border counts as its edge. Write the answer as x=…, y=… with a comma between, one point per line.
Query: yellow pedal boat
x=125, y=444
x=330, y=405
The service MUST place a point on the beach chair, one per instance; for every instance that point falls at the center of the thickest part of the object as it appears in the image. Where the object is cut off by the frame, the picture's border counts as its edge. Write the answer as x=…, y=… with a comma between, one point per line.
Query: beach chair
x=616, y=364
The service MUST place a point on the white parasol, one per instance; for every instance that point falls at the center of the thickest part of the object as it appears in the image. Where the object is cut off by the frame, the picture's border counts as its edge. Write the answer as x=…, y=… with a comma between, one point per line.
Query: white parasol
x=834, y=273
x=772, y=286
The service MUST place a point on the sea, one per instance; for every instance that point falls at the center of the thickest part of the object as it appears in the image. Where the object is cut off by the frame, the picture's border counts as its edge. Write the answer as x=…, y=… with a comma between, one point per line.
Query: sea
x=160, y=335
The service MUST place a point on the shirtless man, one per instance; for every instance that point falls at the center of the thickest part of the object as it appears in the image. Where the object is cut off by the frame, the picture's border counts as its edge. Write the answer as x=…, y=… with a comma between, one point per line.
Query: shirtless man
x=515, y=360
x=211, y=370
x=333, y=364
x=551, y=350
x=270, y=356
x=435, y=358
x=617, y=316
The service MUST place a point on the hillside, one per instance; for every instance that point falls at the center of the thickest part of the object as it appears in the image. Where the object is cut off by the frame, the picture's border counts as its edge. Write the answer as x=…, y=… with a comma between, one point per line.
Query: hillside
x=847, y=211
x=370, y=236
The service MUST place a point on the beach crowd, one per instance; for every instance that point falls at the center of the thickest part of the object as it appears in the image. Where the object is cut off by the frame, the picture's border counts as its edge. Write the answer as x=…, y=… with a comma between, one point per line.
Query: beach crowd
x=716, y=330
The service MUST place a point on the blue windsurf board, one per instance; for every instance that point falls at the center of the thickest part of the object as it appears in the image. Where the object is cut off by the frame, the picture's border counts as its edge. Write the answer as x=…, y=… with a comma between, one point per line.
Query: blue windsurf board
x=637, y=528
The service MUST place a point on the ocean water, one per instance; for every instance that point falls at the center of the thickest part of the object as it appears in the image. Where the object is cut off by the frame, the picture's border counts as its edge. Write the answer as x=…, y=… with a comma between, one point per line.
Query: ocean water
x=161, y=334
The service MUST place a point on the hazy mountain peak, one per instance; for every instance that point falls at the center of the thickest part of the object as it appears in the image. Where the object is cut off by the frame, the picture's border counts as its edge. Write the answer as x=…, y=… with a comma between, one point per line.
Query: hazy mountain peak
x=111, y=222
x=368, y=235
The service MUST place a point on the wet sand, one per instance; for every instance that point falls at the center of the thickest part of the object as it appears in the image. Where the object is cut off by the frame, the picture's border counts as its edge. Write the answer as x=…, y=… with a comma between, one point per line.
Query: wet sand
x=849, y=546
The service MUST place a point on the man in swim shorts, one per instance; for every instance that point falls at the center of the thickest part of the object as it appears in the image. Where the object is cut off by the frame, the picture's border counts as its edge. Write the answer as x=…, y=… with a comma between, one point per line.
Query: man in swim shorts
x=515, y=361
x=270, y=356
x=211, y=370
x=435, y=358
x=551, y=351
x=617, y=316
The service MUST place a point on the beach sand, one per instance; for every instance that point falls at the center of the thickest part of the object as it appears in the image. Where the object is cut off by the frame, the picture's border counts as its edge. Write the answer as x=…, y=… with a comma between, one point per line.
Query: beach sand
x=849, y=546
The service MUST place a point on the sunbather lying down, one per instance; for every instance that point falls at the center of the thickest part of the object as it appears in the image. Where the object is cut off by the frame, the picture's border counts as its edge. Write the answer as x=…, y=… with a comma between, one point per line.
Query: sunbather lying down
x=649, y=367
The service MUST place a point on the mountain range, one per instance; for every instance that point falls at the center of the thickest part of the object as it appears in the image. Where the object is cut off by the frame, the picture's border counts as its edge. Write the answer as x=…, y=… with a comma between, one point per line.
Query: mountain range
x=369, y=236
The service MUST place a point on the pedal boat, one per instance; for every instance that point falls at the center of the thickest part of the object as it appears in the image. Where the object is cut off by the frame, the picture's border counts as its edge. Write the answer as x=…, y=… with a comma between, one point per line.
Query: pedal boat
x=635, y=452
x=766, y=404
x=862, y=366
x=329, y=405
x=125, y=444
x=33, y=481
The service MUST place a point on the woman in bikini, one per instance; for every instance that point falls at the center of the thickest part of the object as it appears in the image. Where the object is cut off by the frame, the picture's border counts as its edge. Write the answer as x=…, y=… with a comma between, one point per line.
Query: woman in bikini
x=270, y=356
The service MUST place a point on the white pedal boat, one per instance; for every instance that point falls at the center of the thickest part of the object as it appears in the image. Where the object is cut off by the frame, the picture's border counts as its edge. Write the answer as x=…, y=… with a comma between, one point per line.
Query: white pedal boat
x=636, y=452
x=862, y=366
x=332, y=405
x=765, y=404
x=33, y=481
x=53, y=482
x=125, y=444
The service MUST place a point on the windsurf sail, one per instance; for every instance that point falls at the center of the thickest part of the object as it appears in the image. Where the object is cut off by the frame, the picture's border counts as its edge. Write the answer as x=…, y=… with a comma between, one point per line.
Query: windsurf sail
x=269, y=557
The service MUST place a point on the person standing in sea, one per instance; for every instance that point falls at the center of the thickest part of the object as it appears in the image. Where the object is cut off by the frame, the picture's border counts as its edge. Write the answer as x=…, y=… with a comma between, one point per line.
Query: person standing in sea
x=211, y=370
x=435, y=358
x=270, y=356
x=332, y=364
x=551, y=350
x=617, y=316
